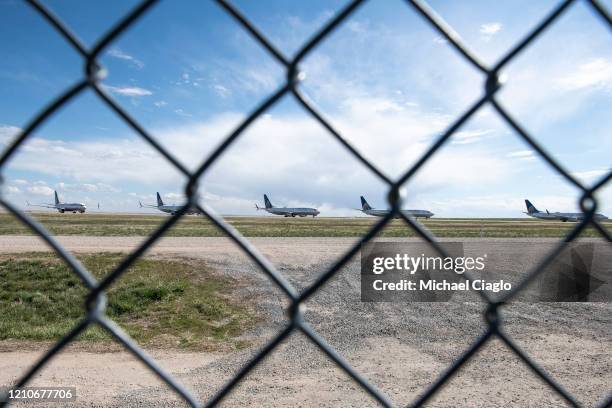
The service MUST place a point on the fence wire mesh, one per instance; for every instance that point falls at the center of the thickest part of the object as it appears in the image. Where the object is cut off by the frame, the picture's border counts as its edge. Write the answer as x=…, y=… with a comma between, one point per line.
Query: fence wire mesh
x=95, y=301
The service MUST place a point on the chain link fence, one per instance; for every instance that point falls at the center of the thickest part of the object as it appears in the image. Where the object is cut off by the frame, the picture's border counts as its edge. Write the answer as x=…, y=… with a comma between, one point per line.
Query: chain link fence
x=96, y=299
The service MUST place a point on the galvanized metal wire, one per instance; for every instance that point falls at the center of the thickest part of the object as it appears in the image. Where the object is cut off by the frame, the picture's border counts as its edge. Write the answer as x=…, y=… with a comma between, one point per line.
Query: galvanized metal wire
x=95, y=301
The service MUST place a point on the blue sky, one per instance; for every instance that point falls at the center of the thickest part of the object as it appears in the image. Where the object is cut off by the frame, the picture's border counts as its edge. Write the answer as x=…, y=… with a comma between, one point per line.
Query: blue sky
x=386, y=80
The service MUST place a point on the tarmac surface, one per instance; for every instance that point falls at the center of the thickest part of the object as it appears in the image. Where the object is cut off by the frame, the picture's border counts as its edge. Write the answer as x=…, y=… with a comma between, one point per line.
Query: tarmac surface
x=401, y=348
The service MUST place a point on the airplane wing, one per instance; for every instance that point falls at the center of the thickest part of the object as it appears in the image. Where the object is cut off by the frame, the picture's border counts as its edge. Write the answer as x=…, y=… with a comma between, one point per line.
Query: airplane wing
x=141, y=205
x=41, y=205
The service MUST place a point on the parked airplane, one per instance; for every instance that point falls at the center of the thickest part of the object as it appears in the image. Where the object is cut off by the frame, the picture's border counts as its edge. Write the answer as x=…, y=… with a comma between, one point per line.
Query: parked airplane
x=62, y=207
x=285, y=211
x=366, y=209
x=534, y=212
x=171, y=209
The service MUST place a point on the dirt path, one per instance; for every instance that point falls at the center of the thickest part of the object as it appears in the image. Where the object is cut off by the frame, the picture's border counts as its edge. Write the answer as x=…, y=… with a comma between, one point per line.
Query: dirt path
x=401, y=348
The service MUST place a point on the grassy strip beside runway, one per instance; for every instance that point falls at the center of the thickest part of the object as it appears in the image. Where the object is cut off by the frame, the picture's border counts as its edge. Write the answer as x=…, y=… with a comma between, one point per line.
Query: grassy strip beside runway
x=97, y=224
x=169, y=303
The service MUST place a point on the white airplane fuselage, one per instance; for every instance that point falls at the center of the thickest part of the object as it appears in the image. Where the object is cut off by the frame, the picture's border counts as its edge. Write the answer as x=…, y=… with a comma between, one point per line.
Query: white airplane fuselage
x=71, y=207
x=292, y=212
x=532, y=211
x=559, y=216
x=367, y=209
x=407, y=213
x=287, y=211
x=169, y=209
x=173, y=209
x=62, y=207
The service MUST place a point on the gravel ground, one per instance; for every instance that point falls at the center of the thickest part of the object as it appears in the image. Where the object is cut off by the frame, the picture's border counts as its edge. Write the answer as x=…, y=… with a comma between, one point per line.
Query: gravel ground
x=399, y=347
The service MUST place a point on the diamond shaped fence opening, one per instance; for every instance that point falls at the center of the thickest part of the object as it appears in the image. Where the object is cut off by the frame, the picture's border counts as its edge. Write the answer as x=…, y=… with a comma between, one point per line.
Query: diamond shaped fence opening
x=96, y=302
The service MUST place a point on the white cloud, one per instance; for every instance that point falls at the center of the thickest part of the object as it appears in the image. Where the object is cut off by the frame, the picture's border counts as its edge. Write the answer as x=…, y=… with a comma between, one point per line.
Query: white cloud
x=181, y=112
x=128, y=90
x=90, y=161
x=488, y=30
x=8, y=133
x=590, y=175
x=258, y=78
x=221, y=90
x=286, y=170
x=160, y=104
x=107, y=188
x=117, y=53
x=356, y=96
x=477, y=206
x=185, y=79
x=40, y=190
x=522, y=154
x=144, y=198
x=174, y=197
x=21, y=182
x=13, y=190
x=596, y=73
x=357, y=26
x=469, y=136
x=92, y=188
x=87, y=187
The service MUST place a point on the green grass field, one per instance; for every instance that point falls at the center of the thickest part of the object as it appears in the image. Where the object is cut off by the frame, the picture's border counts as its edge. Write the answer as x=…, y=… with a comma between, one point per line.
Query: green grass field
x=158, y=302
x=269, y=226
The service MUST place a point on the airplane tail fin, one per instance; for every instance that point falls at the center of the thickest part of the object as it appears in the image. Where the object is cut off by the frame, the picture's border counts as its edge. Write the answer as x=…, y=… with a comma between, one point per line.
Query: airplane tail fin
x=530, y=207
x=140, y=204
x=364, y=204
x=28, y=203
x=57, y=201
x=160, y=203
x=267, y=202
